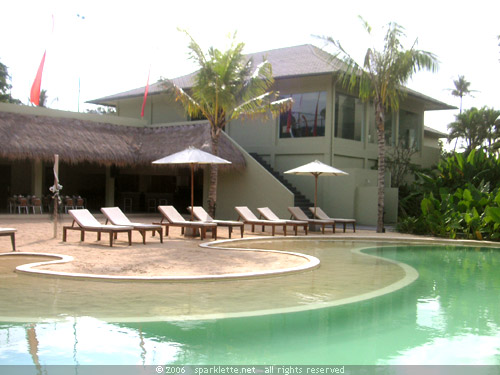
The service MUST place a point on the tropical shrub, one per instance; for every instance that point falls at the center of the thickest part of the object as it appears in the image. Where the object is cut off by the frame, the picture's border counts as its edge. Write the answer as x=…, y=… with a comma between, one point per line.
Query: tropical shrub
x=459, y=199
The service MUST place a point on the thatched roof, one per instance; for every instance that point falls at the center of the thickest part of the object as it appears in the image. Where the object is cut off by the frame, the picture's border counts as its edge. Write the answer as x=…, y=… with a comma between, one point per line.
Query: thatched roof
x=27, y=136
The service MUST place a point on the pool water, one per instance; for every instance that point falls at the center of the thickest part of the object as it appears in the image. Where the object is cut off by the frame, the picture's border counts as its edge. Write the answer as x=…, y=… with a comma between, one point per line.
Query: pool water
x=449, y=315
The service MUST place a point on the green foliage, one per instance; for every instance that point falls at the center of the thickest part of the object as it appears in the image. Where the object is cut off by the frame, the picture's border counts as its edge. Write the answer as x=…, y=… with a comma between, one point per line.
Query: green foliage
x=478, y=127
x=381, y=79
x=227, y=86
x=5, y=86
x=460, y=199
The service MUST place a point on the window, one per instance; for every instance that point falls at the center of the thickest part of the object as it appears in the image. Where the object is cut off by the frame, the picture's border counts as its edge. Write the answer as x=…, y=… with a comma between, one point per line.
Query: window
x=349, y=117
x=306, y=117
x=408, y=129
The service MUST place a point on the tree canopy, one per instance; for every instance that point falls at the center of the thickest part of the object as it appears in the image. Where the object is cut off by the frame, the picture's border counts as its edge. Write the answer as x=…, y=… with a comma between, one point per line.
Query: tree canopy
x=381, y=79
x=478, y=128
x=227, y=86
x=5, y=86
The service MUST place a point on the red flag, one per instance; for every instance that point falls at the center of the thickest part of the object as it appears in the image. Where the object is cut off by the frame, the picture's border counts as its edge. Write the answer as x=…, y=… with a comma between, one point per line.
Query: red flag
x=35, y=89
x=145, y=95
x=316, y=118
x=289, y=121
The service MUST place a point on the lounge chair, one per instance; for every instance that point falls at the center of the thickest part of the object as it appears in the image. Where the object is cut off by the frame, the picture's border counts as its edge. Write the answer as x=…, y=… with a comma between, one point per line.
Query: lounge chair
x=320, y=214
x=175, y=219
x=86, y=222
x=116, y=216
x=10, y=232
x=298, y=214
x=268, y=214
x=200, y=213
x=249, y=218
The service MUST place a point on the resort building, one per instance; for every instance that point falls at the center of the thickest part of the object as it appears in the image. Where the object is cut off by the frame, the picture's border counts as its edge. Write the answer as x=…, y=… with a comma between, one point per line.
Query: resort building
x=107, y=158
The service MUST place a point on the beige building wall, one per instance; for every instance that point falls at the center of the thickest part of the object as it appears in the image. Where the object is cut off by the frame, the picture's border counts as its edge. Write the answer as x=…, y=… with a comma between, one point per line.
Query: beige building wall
x=253, y=187
x=341, y=197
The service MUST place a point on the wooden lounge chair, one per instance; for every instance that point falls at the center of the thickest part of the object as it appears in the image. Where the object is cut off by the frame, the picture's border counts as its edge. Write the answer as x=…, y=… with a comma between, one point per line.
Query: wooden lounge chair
x=86, y=222
x=268, y=214
x=200, y=213
x=174, y=219
x=10, y=232
x=249, y=218
x=320, y=214
x=116, y=216
x=298, y=214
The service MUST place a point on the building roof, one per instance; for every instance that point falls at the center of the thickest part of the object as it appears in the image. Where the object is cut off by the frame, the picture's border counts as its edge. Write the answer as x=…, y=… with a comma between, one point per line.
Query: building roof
x=288, y=62
x=434, y=133
x=76, y=140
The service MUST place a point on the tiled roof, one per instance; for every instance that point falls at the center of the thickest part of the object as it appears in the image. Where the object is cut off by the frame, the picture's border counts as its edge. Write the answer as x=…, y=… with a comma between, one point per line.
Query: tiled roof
x=286, y=62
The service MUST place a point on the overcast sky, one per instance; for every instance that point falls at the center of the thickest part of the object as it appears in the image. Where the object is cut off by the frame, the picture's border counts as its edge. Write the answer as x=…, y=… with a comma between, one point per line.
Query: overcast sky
x=109, y=46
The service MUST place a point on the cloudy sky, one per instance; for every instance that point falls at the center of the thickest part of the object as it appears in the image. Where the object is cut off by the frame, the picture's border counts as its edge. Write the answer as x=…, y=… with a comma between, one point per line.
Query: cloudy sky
x=105, y=47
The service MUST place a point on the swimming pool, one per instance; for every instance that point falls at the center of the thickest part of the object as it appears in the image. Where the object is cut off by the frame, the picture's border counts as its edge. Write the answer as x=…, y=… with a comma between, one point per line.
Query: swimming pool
x=449, y=315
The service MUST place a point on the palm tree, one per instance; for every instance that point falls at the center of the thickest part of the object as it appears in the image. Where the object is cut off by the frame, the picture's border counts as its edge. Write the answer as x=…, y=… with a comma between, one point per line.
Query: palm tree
x=467, y=125
x=461, y=89
x=380, y=78
x=43, y=98
x=478, y=127
x=227, y=86
x=5, y=86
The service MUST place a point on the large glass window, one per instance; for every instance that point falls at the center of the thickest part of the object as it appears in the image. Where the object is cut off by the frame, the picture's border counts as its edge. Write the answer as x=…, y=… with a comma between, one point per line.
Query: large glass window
x=409, y=129
x=306, y=118
x=349, y=117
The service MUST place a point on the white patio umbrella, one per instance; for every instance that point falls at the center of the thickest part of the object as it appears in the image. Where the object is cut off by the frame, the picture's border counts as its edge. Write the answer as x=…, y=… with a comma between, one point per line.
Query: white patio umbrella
x=191, y=156
x=316, y=168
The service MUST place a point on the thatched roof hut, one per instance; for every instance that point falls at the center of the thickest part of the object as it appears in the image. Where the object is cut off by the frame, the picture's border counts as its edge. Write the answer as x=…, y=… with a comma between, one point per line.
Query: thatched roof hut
x=28, y=136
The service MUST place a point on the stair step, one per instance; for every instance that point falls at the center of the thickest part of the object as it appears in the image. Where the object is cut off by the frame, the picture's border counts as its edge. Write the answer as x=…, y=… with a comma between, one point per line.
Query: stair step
x=300, y=199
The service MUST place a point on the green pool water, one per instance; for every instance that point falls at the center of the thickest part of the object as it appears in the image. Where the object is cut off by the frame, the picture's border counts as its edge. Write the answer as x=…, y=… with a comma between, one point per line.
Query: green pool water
x=449, y=315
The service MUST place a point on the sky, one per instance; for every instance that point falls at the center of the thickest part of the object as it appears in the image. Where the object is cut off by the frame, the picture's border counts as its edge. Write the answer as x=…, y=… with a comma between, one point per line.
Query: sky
x=99, y=48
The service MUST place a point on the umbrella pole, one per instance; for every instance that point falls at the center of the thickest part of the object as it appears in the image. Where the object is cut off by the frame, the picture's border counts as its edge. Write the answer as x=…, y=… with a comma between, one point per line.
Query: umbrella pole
x=192, y=190
x=315, y=192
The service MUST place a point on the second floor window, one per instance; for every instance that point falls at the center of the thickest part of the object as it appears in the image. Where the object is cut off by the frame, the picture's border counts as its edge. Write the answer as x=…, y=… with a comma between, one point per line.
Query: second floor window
x=306, y=117
x=349, y=117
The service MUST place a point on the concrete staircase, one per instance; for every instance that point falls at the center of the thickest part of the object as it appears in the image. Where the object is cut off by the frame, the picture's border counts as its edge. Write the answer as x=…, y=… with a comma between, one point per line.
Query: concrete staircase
x=299, y=199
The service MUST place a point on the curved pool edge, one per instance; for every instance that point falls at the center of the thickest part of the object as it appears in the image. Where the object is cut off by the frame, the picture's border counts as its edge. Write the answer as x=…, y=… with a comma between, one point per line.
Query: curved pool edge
x=410, y=277
x=29, y=268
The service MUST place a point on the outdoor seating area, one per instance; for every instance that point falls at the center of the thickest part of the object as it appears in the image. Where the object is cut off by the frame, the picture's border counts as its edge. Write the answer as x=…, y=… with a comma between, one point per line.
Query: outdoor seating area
x=84, y=221
x=202, y=215
x=320, y=214
x=73, y=202
x=298, y=214
x=268, y=214
x=172, y=217
x=248, y=217
x=116, y=216
x=28, y=204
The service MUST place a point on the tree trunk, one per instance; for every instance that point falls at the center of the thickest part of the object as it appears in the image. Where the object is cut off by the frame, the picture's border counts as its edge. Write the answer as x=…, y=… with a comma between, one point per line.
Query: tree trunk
x=380, y=120
x=214, y=172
